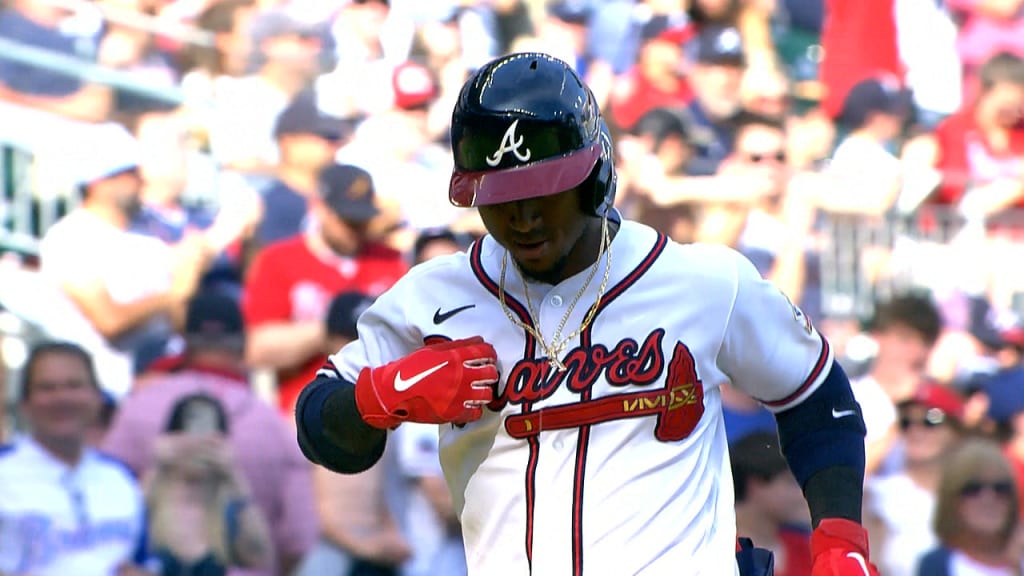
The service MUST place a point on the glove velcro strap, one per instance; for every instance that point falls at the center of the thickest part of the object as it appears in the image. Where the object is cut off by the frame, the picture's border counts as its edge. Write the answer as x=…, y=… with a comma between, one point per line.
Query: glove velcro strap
x=833, y=533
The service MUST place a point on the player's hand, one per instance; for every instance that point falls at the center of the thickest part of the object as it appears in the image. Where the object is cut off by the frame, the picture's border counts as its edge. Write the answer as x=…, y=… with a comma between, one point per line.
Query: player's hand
x=440, y=383
x=839, y=547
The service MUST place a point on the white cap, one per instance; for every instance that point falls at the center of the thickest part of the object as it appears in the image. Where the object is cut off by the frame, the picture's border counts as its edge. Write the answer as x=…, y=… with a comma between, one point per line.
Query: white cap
x=100, y=151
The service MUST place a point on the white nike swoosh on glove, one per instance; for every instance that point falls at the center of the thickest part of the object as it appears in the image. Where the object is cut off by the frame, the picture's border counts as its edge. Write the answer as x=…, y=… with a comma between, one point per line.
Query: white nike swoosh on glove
x=860, y=560
x=403, y=384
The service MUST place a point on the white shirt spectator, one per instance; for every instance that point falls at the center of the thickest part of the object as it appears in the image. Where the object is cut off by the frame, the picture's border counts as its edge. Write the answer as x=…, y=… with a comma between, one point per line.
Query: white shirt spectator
x=927, y=40
x=246, y=110
x=906, y=511
x=878, y=410
x=961, y=564
x=435, y=549
x=55, y=520
x=81, y=248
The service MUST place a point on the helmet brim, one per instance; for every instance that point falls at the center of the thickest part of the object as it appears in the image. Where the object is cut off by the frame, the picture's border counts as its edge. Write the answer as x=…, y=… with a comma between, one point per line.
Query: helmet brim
x=544, y=178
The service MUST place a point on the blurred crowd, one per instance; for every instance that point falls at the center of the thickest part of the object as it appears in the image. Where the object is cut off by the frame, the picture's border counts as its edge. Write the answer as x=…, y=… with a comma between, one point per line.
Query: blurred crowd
x=213, y=236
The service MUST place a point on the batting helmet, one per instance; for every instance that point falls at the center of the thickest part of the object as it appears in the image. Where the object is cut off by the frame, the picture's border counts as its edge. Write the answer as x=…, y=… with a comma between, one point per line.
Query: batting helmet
x=524, y=126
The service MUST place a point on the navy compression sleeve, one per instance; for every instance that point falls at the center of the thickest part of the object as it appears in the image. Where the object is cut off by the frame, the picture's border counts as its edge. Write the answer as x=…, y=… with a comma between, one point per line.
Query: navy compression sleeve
x=331, y=432
x=822, y=439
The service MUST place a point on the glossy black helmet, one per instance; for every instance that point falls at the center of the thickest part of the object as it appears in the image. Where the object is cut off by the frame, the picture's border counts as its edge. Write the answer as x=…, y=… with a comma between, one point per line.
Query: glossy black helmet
x=525, y=125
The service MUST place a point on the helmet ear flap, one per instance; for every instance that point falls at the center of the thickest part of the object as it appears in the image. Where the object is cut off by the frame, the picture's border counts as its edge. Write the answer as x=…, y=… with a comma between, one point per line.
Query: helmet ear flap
x=602, y=179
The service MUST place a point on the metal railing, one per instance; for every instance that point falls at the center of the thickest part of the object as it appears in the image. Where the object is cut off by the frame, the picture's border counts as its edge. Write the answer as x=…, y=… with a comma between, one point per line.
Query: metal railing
x=938, y=249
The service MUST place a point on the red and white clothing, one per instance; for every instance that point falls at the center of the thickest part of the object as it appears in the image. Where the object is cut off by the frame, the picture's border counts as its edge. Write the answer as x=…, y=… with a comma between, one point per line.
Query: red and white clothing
x=289, y=282
x=966, y=157
x=534, y=478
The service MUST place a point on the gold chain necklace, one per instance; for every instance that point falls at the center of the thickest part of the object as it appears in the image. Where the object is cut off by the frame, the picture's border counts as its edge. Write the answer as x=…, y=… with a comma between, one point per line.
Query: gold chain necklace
x=554, y=349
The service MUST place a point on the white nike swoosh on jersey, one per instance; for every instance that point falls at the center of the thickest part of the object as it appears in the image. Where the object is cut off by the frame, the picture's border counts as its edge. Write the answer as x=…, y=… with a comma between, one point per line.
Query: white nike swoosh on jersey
x=403, y=384
x=860, y=560
x=841, y=413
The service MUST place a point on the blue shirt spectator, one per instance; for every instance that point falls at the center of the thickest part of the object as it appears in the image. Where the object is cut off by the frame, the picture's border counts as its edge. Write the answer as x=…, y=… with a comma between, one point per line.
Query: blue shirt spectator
x=75, y=36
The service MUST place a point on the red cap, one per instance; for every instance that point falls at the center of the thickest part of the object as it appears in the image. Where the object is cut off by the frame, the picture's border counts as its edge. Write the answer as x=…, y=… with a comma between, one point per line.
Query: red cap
x=413, y=85
x=934, y=395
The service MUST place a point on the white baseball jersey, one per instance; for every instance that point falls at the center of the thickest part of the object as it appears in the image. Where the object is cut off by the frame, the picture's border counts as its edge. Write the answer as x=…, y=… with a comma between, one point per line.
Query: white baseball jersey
x=55, y=520
x=619, y=464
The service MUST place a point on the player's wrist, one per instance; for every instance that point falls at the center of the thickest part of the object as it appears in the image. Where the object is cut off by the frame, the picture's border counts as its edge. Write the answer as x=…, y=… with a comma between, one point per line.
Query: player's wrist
x=839, y=532
x=371, y=406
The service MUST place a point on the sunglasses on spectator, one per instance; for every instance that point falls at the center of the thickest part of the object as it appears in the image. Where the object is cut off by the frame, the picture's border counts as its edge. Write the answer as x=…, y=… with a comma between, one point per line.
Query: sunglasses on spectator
x=759, y=157
x=931, y=419
x=973, y=488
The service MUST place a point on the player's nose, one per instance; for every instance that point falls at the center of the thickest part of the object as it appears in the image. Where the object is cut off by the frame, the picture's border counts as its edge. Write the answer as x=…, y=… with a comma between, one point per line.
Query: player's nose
x=523, y=215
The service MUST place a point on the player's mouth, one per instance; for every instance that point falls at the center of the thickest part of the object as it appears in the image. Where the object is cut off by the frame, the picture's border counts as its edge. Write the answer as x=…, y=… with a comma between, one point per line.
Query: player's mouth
x=532, y=250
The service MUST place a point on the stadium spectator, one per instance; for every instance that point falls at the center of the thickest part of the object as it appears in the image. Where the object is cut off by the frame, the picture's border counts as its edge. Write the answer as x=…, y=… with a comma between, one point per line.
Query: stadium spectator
x=772, y=227
x=168, y=172
x=1004, y=393
x=121, y=294
x=433, y=242
x=291, y=282
x=985, y=30
x=200, y=510
x=66, y=509
x=65, y=32
x=904, y=331
x=363, y=36
x=715, y=77
x=657, y=80
x=360, y=534
x=867, y=171
x=899, y=505
x=397, y=148
x=308, y=139
x=976, y=516
x=769, y=505
x=279, y=481
x=858, y=40
x=977, y=150
x=283, y=62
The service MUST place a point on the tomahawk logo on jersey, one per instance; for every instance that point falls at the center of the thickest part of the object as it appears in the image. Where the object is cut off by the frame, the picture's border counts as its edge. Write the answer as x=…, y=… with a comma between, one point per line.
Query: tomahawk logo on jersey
x=565, y=434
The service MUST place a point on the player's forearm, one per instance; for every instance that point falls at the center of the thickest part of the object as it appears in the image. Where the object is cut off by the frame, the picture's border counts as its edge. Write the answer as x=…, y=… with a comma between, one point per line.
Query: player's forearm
x=331, y=431
x=835, y=492
x=281, y=345
x=822, y=439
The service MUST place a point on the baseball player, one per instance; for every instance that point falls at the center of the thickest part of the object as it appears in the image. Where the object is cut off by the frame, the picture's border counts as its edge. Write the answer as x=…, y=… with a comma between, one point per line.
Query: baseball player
x=573, y=361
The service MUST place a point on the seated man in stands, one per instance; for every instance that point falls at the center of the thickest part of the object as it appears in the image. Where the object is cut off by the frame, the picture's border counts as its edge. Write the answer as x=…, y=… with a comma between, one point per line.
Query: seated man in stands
x=119, y=294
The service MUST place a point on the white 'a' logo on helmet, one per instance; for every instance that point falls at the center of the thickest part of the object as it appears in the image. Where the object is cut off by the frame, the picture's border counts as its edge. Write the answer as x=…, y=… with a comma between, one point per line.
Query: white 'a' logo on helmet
x=509, y=143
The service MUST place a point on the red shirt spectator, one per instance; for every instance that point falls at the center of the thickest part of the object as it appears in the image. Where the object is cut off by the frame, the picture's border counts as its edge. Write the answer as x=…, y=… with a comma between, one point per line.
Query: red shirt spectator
x=985, y=142
x=656, y=81
x=859, y=41
x=965, y=155
x=291, y=282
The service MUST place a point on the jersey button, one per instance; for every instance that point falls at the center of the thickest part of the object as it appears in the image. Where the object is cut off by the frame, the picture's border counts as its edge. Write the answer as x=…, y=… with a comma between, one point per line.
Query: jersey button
x=556, y=300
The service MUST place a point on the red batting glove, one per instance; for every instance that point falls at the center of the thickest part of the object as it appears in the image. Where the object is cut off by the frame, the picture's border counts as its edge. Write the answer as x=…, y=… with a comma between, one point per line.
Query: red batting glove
x=839, y=547
x=440, y=383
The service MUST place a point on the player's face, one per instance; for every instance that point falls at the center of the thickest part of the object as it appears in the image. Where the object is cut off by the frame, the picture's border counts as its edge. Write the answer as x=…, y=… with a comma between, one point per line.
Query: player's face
x=545, y=235
x=62, y=401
